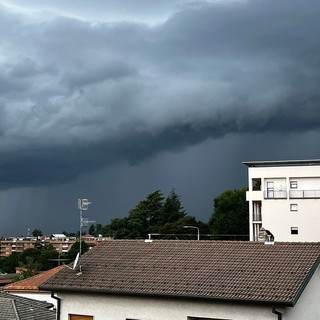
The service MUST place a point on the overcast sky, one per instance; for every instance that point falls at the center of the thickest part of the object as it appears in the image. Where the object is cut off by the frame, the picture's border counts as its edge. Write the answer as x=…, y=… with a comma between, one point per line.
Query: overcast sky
x=112, y=100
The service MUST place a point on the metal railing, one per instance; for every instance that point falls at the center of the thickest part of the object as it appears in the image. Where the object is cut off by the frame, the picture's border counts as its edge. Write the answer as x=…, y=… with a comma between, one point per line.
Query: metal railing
x=256, y=217
x=275, y=194
x=304, y=194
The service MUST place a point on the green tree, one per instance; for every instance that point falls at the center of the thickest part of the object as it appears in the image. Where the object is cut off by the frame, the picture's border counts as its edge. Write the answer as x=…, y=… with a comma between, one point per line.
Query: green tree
x=29, y=253
x=172, y=208
x=47, y=256
x=37, y=233
x=95, y=229
x=231, y=215
x=155, y=214
x=9, y=264
x=76, y=248
x=143, y=219
x=30, y=268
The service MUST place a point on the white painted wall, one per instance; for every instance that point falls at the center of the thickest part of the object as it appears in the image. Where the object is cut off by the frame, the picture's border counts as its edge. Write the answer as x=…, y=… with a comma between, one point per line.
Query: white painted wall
x=104, y=307
x=307, y=306
x=121, y=308
x=43, y=296
x=276, y=214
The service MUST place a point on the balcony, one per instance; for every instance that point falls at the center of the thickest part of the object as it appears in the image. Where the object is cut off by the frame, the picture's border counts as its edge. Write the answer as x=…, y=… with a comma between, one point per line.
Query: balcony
x=275, y=194
x=256, y=217
x=304, y=194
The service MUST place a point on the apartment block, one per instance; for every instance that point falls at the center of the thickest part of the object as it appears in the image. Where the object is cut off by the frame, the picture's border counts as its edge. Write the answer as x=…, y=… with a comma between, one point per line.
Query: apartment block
x=60, y=242
x=284, y=198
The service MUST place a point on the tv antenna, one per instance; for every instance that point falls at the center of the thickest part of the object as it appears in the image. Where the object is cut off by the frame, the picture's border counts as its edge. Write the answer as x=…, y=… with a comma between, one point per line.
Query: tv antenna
x=83, y=205
x=75, y=264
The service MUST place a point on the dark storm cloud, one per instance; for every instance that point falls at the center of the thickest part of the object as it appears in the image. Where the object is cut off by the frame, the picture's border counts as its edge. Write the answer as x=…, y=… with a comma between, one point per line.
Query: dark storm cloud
x=78, y=95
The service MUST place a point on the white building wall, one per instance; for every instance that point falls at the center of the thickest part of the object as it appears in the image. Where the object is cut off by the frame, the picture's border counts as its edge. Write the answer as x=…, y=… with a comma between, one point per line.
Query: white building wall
x=122, y=308
x=43, y=296
x=307, y=306
x=277, y=215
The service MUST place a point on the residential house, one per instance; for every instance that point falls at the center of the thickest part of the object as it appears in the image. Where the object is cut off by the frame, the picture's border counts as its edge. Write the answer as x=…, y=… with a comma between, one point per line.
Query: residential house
x=284, y=198
x=190, y=280
x=18, y=308
x=29, y=288
x=6, y=278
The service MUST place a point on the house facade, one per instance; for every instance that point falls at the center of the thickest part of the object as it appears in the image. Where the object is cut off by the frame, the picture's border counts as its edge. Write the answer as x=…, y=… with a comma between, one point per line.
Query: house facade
x=284, y=198
x=191, y=280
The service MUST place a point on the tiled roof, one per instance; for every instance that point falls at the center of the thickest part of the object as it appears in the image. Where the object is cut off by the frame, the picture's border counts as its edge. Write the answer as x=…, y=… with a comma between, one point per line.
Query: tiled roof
x=19, y=308
x=32, y=283
x=219, y=270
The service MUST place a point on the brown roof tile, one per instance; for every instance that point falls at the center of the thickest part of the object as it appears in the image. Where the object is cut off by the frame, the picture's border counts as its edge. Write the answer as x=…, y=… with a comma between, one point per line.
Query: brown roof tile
x=32, y=283
x=241, y=271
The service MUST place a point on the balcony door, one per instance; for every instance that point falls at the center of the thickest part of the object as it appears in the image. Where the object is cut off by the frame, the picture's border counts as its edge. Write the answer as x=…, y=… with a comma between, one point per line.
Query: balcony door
x=270, y=189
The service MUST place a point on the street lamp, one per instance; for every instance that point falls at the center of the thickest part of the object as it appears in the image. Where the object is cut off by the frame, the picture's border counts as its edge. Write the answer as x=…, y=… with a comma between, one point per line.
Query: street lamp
x=193, y=227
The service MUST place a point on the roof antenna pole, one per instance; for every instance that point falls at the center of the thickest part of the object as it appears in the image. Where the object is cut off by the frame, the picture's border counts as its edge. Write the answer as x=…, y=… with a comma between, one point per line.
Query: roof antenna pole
x=83, y=205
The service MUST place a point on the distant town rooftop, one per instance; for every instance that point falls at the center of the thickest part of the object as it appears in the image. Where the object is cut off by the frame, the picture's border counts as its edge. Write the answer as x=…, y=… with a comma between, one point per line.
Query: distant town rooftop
x=277, y=163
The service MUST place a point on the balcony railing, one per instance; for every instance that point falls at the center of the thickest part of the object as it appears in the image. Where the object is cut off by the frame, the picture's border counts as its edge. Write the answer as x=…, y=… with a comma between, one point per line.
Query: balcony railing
x=304, y=194
x=256, y=217
x=275, y=194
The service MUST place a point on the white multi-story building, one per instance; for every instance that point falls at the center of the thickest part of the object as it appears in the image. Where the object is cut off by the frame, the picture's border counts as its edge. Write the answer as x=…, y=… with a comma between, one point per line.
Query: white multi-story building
x=284, y=198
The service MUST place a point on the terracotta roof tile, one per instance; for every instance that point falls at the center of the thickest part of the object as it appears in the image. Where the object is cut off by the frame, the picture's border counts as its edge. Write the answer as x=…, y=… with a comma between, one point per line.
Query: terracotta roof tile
x=244, y=271
x=32, y=283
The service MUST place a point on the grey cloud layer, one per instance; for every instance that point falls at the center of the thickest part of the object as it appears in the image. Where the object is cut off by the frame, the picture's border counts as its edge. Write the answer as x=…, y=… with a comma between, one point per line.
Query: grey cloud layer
x=77, y=96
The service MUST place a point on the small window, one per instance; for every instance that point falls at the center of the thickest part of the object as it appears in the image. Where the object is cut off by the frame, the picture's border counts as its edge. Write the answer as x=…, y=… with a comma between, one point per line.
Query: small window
x=294, y=184
x=256, y=184
x=197, y=318
x=294, y=230
x=79, y=317
x=293, y=207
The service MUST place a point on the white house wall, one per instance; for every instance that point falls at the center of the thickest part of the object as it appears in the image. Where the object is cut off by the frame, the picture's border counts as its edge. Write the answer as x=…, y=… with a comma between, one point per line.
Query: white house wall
x=46, y=296
x=307, y=307
x=139, y=308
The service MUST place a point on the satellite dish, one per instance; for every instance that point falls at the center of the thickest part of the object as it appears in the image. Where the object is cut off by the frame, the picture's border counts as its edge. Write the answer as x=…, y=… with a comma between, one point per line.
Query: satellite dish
x=76, y=261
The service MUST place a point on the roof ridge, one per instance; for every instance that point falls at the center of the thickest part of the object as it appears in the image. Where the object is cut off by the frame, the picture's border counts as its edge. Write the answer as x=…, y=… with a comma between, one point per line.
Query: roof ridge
x=15, y=308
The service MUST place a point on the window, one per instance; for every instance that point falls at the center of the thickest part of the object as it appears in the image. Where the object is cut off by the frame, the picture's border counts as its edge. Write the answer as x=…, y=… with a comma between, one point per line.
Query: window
x=293, y=207
x=79, y=317
x=270, y=189
x=256, y=184
x=294, y=230
x=199, y=318
x=293, y=184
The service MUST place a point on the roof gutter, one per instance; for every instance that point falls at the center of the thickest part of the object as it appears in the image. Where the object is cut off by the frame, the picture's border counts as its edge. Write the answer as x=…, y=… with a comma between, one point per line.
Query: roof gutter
x=170, y=296
x=278, y=313
x=58, y=304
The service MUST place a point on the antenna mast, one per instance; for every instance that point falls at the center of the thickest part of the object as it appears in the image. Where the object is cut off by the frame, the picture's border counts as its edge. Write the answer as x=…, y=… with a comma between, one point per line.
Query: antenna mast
x=83, y=205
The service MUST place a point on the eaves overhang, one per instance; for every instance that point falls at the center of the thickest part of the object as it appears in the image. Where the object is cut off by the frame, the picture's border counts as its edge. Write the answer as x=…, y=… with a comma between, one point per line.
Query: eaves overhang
x=169, y=296
x=277, y=163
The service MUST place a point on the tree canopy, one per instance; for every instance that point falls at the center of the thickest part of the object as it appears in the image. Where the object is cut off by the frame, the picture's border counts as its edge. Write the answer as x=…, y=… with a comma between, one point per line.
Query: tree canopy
x=37, y=233
x=155, y=214
x=230, y=219
x=41, y=258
